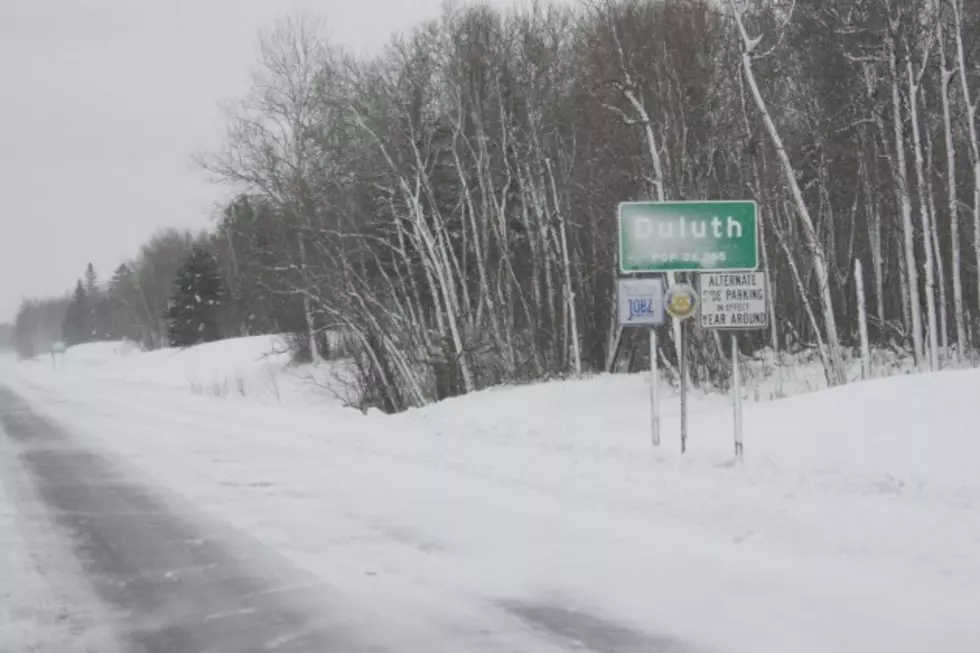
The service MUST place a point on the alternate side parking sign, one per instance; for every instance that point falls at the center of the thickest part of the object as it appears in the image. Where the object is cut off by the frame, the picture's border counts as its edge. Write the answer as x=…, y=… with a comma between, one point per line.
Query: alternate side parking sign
x=734, y=300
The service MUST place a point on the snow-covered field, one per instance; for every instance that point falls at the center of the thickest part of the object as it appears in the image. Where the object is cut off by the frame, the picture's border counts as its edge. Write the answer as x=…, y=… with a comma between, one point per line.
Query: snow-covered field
x=853, y=525
x=257, y=369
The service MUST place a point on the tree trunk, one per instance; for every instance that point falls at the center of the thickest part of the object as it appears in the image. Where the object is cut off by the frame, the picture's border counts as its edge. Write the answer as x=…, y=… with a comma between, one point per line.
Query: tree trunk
x=567, y=269
x=924, y=217
x=835, y=364
x=862, y=320
x=971, y=114
x=900, y=172
x=937, y=251
x=959, y=315
x=659, y=192
x=307, y=304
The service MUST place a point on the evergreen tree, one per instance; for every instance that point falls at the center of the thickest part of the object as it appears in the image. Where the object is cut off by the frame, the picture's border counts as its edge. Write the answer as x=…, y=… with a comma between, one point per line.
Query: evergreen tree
x=77, y=327
x=99, y=307
x=121, y=298
x=197, y=306
x=91, y=280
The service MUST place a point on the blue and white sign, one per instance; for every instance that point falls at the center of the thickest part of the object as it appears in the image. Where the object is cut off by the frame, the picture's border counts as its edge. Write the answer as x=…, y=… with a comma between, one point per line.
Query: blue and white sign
x=641, y=302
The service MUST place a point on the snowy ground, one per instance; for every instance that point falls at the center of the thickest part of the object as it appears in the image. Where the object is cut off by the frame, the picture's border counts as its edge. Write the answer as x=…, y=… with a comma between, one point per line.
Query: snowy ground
x=257, y=369
x=854, y=524
x=45, y=602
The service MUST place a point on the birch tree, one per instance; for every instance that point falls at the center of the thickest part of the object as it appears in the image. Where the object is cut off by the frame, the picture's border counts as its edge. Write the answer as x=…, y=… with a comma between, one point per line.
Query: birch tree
x=835, y=370
x=914, y=75
x=970, y=102
x=947, y=75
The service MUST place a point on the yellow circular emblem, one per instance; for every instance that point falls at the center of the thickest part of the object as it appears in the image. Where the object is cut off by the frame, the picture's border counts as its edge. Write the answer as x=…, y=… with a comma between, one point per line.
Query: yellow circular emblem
x=681, y=302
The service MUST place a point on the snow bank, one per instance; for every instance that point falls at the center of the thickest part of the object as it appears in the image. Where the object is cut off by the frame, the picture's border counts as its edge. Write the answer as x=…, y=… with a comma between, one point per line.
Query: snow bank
x=853, y=525
x=257, y=368
x=906, y=426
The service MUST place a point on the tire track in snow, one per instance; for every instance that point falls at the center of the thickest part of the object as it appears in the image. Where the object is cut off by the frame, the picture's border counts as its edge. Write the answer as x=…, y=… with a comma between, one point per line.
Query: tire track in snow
x=163, y=580
x=46, y=604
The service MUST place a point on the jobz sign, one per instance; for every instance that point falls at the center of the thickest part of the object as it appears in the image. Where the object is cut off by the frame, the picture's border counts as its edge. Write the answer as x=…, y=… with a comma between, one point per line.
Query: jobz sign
x=641, y=301
x=734, y=300
x=688, y=236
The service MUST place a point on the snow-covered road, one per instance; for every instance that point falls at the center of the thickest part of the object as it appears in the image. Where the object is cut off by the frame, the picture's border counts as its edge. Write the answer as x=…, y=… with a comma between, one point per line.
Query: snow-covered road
x=46, y=604
x=152, y=574
x=145, y=578
x=537, y=519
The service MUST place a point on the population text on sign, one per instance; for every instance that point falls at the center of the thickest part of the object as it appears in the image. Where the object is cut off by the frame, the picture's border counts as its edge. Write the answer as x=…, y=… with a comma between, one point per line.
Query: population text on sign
x=688, y=236
x=734, y=300
x=641, y=301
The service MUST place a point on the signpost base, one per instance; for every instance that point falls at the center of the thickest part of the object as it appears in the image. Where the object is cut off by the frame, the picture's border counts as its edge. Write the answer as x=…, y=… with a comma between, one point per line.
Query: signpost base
x=654, y=388
x=682, y=366
x=737, y=392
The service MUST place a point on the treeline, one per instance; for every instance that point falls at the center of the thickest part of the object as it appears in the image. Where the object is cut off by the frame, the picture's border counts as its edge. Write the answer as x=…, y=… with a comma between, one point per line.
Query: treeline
x=449, y=205
x=171, y=293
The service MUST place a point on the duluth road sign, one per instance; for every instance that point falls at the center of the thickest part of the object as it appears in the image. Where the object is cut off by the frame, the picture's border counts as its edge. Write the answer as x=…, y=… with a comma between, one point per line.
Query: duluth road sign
x=731, y=300
x=641, y=301
x=688, y=236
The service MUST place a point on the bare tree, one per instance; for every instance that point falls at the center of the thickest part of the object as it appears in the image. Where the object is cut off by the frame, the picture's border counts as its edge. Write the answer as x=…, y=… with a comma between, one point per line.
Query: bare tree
x=835, y=371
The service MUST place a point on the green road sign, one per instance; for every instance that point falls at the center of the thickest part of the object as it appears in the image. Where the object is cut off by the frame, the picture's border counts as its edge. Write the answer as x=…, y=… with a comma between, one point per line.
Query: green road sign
x=714, y=236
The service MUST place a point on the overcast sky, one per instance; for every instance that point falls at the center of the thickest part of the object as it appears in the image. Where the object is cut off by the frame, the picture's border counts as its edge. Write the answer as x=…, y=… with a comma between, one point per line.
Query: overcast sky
x=103, y=104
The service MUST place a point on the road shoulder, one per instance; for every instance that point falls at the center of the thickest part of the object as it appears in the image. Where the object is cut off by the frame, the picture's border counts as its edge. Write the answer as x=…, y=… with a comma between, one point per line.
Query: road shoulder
x=46, y=603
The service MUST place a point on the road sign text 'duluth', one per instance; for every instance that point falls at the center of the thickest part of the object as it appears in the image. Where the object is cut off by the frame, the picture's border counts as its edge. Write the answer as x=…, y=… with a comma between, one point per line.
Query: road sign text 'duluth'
x=688, y=236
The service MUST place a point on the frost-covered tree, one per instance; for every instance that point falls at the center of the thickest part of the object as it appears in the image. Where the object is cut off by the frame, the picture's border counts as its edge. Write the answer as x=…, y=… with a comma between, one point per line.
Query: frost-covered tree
x=196, y=309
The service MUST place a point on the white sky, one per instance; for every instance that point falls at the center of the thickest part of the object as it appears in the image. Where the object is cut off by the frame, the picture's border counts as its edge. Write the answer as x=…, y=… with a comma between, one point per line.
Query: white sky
x=103, y=104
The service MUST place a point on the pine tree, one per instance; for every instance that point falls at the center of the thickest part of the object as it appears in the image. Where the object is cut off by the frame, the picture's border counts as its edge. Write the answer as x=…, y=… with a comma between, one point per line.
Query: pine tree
x=120, y=300
x=77, y=327
x=95, y=325
x=198, y=301
x=91, y=280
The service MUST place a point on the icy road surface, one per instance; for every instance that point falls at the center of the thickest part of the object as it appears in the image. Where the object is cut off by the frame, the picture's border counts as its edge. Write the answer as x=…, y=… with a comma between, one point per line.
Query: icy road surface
x=148, y=577
x=171, y=585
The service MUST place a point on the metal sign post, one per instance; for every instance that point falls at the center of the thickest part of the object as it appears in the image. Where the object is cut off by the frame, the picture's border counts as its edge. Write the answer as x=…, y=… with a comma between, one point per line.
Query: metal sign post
x=57, y=349
x=681, y=303
x=682, y=368
x=640, y=303
x=654, y=389
x=737, y=383
x=735, y=301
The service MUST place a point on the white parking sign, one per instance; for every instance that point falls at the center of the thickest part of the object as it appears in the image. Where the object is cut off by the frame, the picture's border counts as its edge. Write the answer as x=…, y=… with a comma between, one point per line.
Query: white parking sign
x=734, y=300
